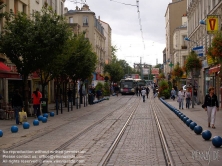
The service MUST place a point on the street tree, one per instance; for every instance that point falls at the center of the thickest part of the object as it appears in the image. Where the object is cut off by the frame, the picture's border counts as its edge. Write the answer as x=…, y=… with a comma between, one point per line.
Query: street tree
x=32, y=42
x=82, y=60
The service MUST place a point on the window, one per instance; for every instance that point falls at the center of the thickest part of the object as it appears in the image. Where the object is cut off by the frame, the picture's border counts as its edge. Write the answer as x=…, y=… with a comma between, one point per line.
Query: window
x=85, y=21
x=24, y=8
x=70, y=19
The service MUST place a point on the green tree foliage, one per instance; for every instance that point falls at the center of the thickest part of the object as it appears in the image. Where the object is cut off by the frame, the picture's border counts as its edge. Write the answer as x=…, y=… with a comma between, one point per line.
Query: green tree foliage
x=164, y=89
x=193, y=62
x=106, y=89
x=114, y=69
x=32, y=43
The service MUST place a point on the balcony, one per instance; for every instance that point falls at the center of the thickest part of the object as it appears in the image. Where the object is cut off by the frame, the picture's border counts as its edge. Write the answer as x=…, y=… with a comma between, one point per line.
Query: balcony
x=183, y=47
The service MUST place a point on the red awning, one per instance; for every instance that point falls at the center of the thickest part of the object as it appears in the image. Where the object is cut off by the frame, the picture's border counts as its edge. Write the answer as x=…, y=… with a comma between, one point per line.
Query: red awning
x=4, y=68
x=214, y=69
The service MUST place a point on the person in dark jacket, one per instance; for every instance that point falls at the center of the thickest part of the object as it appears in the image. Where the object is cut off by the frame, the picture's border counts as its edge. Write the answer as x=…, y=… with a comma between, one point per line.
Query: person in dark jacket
x=17, y=105
x=211, y=105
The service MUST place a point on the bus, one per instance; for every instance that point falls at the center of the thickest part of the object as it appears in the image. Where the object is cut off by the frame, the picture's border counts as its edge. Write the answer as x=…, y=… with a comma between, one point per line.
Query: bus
x=127, y=86
x=140, y=82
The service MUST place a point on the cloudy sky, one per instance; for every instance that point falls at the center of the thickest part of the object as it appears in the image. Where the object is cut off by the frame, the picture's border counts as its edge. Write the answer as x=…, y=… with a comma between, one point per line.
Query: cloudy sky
x=126, y=33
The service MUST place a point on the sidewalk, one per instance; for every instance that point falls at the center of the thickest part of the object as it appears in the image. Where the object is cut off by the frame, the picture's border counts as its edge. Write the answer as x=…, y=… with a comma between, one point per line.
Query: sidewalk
x=199, y=115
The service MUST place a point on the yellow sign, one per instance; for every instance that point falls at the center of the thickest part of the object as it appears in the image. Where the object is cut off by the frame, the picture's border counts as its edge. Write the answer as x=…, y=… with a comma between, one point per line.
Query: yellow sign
x=210, y=60
x=212, y=24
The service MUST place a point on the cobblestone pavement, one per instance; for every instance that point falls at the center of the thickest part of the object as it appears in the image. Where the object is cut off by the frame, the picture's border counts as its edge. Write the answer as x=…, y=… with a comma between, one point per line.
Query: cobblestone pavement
x=140, y=145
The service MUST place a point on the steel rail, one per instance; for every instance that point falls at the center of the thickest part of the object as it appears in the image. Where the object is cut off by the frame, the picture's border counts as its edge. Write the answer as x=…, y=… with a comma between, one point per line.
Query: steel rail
x=168, y=156
x=110, y=151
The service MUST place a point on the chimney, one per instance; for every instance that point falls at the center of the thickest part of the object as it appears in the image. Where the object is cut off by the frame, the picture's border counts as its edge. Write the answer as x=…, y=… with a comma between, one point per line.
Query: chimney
x=99, y=18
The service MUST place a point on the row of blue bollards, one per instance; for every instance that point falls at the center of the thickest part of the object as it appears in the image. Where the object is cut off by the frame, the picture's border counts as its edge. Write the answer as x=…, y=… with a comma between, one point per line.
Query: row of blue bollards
x=206, y=134
x=26, y=125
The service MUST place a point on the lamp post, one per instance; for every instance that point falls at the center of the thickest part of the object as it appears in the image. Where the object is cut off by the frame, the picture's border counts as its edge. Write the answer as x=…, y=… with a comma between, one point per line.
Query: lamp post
x=192, y=73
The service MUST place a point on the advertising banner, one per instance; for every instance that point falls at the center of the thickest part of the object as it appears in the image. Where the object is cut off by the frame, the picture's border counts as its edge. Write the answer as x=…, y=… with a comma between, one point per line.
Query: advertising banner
x=155, y=71
x=146, y=71
x=212, y=24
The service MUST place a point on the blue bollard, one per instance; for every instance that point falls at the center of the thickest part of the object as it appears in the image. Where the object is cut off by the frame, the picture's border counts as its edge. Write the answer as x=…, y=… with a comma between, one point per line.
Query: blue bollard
x=52, y=114
x=44, y=120
x=192, y=125
x=40, y=117
x=206, y=134
x=26, y=125
x=35, y=122
x=14, y=129
x=198, y=129
x=1, y=133
x=188, y=122
x=45, y=115
x=217, y=141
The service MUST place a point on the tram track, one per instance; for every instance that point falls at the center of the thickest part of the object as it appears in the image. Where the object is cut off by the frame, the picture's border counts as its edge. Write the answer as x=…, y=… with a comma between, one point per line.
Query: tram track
x=166, y=151
x=76, y=137
x=69, y=120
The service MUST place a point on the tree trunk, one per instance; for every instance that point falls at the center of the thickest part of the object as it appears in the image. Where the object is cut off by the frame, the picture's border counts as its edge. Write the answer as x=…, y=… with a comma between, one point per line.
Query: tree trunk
x=74, y=93
x=26, y=89
x=43, y=90
x=80, y=93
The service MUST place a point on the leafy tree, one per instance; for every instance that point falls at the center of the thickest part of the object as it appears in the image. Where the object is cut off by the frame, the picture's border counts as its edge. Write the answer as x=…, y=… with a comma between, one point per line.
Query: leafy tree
x=193, y=62
x=32, y=43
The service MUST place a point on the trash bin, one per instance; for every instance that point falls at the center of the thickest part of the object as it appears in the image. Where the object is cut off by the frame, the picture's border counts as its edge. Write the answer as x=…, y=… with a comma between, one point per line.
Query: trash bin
x=44, y=105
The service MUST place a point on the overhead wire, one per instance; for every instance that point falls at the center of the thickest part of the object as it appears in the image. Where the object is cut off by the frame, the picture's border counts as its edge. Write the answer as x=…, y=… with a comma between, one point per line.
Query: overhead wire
x=139, y=17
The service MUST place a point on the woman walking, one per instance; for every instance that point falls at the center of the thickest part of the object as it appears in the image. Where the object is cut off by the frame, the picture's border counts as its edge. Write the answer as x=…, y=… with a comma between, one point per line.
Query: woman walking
x=188, y=98
x=36, y=96
x=211, y=105
x=180, y=98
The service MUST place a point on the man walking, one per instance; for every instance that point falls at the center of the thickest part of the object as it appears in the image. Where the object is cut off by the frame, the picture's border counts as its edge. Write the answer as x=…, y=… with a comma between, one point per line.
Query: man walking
x=143, y=93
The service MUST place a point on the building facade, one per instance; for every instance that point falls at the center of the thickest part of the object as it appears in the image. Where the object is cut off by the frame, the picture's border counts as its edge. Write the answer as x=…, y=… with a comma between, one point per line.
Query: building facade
x=9, y=77
x=199, y=10
x=94, y=32
x=108, y=45
x=174, y=12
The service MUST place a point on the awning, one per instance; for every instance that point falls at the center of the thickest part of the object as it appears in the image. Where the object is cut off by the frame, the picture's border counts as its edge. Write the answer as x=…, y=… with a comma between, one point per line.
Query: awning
x=214, y=69
x=4, y=68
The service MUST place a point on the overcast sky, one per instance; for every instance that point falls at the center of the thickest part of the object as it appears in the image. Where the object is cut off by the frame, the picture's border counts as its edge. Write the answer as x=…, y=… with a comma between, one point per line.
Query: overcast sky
x=126, y=34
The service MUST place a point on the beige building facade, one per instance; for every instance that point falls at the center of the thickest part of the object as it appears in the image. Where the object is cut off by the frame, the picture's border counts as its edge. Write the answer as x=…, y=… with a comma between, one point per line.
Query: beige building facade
x=94, y=32
x=199, y=10
x=108, y=43
x=174, y=12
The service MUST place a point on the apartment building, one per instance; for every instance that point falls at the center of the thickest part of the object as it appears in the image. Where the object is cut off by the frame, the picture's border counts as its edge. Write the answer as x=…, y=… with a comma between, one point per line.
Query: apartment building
x=108, y=35
x=197, y=33
x=57, y=6
x=174, y=12
x=94, y=32
x=180, y=51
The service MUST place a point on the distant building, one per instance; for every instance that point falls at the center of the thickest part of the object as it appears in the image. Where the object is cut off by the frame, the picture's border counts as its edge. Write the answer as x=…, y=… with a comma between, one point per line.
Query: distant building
x=108, y=44
x=174, y=12
x=94, y=32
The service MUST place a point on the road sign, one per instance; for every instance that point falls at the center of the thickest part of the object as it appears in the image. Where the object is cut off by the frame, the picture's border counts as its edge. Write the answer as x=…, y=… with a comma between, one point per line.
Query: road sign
x=198, y=50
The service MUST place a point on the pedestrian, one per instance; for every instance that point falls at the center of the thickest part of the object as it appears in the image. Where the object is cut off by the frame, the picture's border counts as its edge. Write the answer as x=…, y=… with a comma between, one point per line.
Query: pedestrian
x=17, y=105
x=143, y=94
x=117, y=90
x=173, y=94
x=211, y=105
x=188, y=98
x=180, y=98
x=36, y=97
x=137, y=90
x=69, y=94
x=195, y=95
x=147, y=92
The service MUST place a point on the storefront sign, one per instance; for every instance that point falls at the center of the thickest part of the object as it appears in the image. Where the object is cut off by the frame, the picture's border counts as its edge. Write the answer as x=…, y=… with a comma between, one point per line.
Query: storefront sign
x=214, y=69
x=212, y=24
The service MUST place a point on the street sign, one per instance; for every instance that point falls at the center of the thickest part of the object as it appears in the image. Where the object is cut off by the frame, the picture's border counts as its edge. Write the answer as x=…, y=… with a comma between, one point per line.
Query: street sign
x=155, y=71
x=198, y=50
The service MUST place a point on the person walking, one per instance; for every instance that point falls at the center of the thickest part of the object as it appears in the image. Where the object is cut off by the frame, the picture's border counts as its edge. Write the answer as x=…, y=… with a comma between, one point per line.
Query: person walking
x=117, y=90
x=143, y=94
x=17, y=105
x=195, y=95
x=211, y=105
x=147, y=92
x=187, y=97
x=36, y=97
x=173, y=94
x=180, y=98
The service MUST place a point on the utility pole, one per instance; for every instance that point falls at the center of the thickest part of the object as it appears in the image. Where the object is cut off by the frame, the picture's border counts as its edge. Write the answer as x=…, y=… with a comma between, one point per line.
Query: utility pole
x=141, y=69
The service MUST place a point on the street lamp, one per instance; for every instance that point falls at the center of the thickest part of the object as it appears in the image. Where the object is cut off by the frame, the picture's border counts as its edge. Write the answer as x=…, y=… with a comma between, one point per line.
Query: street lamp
x=202, y=22
x=187, y=39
